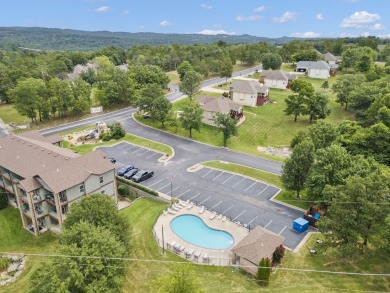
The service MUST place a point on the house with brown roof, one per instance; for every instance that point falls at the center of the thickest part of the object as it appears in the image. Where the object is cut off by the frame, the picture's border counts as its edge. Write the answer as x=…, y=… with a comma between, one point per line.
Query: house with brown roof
x=331, y=59
x=278, y=79
x=212, y=105
x=259, y=243
x=43, y=179
x=248, y=92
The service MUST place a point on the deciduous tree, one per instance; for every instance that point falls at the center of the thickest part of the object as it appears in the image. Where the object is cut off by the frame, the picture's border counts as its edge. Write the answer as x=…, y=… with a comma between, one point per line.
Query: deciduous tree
x=271, y=61
x=191, y=118
x=183, y=68
x=191, y=83
x=344, y=86
x=160, y=109
x=227, y=125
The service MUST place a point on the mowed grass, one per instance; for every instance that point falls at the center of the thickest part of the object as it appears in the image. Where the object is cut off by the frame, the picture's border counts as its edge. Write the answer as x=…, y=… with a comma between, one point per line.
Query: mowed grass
x=173, y=77
x=141, y=274
x=9, y=114
x=14, y=238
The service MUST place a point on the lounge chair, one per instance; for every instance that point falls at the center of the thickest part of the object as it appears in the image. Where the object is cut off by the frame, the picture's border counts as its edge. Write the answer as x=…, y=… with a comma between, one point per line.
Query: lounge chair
x=181, y=248
x=175, y=208
x=223, y=218
x=189, y=253
x=179, y=206
x=176, y=247
x=182, y=203
x=171, y=212
x=190, y=206
x=201, y=210
x=206, y=257
x=213, y=216
x=165, y=212
x=197, y=255
x=170, y=246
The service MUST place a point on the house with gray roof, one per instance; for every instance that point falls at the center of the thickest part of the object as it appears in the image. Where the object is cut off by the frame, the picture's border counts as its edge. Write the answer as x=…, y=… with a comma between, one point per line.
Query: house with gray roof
x=212, y=105
x=43, y=179
x=314, y=69
x=331, y=59
x=278, y=79
x=81, y=68
x=248, y=92
x=259, y=243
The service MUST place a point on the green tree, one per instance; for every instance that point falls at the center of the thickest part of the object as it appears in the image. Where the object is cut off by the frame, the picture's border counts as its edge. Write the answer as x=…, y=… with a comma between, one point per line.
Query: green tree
x=322, y=134
x=149, y=74
x=366, y=200
x=263, y=272
x=296, y=169
x=344, y=86
x=173, y=119
x=227, y=125
x=325, y=85
x=28, y=96
x=183, y=68
x=191, y=118
x=148, y=94
x=82, y=96
x=317, y=106
x=160, y=109
x=191, y=83
x=306, y=55
x=181, y=280
x=98, y=269
x=364, y=63
x=116, y=130
x=226, y=69
x=100, y=211
x=89, y=76
x=271, y=61
x=297, y=104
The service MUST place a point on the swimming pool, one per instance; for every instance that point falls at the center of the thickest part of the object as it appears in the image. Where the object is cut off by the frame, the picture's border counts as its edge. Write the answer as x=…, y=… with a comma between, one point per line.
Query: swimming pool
x=193, y=230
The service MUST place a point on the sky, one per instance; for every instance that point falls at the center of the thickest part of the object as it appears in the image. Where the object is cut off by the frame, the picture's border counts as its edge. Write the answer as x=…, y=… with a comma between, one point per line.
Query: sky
x=265, y=18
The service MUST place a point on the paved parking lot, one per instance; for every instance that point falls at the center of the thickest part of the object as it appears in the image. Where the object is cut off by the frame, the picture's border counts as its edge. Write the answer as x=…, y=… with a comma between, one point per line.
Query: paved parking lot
x=242, y=200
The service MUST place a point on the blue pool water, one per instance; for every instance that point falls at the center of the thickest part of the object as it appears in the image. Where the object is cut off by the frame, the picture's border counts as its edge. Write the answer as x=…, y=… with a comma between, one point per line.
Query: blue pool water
x=193, y=230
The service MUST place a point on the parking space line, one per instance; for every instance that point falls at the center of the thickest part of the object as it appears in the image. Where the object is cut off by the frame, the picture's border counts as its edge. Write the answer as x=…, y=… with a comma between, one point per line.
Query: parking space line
x=184, y=193
x=136, y=151
x=217, y=176
x=238, y=215
x=250, y=186
x=154, y=183
x=195, y=196
x=239, y=182
x=175, y=188
x=141, y=154
x=152, y=155
x=227, y=179
x=216, y=205
x=282, y=230
x=268, y=224
x=125, y=150
x=262, y=190
x=164, y=186
x=122, y=146
x=207, y=173
x=204, y=200
x=146, y=152
x=228, y=209
x=253, y=219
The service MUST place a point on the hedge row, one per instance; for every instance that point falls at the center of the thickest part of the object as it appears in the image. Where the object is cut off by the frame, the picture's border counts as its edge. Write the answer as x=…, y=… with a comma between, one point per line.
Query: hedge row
x=136, y=185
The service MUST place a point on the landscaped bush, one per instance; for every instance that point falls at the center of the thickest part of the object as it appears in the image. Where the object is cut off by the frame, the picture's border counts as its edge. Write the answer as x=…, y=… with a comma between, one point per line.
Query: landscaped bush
x=3, y=200
x=106, y=137
x=138, y=186
x=122, y=190
x=117, y=131
x=278, y=254
x=4, y=263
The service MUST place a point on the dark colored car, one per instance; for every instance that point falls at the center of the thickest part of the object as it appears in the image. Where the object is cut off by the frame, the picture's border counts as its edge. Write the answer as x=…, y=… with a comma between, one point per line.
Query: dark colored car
x=131, y=173
x=142, y=175
x=125, y=169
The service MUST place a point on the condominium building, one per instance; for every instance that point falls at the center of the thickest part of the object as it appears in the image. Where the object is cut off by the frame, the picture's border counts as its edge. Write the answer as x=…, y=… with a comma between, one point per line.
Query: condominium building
x=43, y=179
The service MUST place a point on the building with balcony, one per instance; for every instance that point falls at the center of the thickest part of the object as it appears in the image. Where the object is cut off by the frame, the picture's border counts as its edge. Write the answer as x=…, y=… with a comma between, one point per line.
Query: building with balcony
x=43, y=179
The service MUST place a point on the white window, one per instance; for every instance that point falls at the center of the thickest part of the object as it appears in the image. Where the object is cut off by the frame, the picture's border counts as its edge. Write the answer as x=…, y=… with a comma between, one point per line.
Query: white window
x=101, y=179
x=82, y=189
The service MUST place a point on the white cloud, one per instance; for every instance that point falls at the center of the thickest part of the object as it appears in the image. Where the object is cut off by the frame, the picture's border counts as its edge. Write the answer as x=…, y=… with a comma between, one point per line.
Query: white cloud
x=385, y=36
x=248, y=18
x=319, y=16
x=215, y=32
x=377, y=26
x=206, y=6
x=359, y=19
x=261, y=8
x=102, y=9
x=305, y=35
x=286, y=17
x=165, y=23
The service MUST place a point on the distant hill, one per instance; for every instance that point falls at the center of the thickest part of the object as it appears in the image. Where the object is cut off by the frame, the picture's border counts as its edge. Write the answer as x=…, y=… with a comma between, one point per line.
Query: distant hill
x=70, y=40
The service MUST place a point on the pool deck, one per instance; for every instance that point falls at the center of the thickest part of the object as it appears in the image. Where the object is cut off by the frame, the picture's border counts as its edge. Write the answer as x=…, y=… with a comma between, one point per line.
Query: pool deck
x=222, y=257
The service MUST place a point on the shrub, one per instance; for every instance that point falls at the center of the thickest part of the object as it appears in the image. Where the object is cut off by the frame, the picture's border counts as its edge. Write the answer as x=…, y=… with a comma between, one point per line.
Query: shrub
x=106, y=137
x=122, y=190
x=4, y=263
x=138, y=186
x=263, y=272
x=117, y=131
x=3, y=200
x=278, y=254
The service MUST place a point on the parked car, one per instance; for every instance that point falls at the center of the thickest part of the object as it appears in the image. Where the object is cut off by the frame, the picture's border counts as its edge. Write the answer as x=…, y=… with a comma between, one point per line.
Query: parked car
x=131, y=173
x=142, y=175
x=125, y=169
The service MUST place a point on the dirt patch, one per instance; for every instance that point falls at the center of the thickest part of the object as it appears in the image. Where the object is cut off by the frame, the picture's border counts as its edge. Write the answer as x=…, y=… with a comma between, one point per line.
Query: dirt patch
x=279, y=152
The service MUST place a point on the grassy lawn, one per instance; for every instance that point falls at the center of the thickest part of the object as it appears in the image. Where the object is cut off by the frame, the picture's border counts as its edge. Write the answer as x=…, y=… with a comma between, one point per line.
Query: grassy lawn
x=9, y=114
x=284, y=196
x=174, y=77
x=14, y=238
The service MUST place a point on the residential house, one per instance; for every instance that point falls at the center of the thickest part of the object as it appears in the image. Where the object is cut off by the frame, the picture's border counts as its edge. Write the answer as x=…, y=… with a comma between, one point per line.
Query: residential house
x=43, y=180
x=259, y=243
x=314, y=69
x=331, y=59
x=213, y=105
x=249, y=92
x=278, y=79
x=80, y=68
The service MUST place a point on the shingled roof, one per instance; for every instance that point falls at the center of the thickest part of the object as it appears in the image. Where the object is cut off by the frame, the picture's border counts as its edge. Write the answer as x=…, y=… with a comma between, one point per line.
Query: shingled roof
x=313, y=65
x=35, y=134
x=278, y=75
x=221, y=105
x=329, y=57
x=259, y=243
x=248, y=86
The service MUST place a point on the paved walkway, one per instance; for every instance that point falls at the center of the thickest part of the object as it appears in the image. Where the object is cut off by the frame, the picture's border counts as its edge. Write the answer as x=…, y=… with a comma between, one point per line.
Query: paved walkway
x=222, y=257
